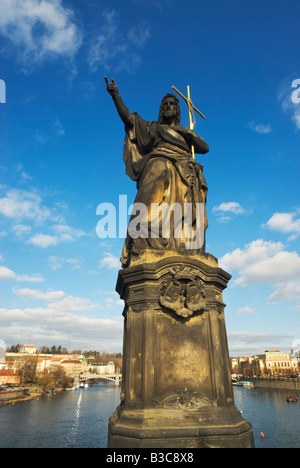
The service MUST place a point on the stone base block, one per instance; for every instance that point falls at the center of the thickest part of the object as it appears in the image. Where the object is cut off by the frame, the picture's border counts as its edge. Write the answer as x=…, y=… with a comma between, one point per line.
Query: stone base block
x=169, y=428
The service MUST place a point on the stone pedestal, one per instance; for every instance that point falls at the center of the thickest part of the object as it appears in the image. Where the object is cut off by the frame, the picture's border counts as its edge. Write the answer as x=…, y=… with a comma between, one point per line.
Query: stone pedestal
x=176, y=389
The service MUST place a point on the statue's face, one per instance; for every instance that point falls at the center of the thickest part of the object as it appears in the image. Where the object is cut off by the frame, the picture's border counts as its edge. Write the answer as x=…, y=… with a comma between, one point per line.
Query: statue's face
x=169, y=108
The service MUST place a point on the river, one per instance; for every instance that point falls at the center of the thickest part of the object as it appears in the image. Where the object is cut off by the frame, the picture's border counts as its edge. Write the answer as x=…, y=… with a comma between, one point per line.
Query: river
x=79, y=419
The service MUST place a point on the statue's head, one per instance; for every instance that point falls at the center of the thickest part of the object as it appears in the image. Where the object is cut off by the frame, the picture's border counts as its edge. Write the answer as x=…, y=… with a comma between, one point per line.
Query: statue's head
x=169, y=97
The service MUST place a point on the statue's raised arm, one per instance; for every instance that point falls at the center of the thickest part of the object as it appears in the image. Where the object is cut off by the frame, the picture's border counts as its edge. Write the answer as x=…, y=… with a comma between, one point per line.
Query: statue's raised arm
x=123, y=112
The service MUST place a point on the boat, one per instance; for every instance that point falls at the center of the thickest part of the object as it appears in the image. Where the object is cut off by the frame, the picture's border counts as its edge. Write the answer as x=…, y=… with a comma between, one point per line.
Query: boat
x=243, y=384
x=291, y=399
x=248, y=385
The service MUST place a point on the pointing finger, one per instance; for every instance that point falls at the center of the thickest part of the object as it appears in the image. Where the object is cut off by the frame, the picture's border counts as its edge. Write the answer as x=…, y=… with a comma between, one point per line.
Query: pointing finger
x=106, y=80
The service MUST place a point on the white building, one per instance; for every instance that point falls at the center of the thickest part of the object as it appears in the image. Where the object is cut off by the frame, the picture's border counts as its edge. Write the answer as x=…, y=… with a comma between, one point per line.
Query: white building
x=28, y=349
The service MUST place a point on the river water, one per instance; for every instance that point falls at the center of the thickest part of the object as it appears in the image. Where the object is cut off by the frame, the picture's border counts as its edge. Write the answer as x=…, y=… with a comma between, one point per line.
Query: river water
x=79, y=419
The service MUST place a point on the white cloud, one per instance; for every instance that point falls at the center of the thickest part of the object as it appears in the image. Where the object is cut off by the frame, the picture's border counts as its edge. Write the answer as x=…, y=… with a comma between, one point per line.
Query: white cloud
x=39, y=29
x=56, y=263
x=260, y=128
x=6, y=273
x=43, y=240
x=286, y=223
x=30, y=279
x=35, y=294
x=63, y=232
x=245, y=311
x=286, y=291
x=229, y=207
x=63, y=321
x=245, y=343
x=110, y=261
x=19, y=204
x=21, y=229
x=262, y=262
x=112, y=46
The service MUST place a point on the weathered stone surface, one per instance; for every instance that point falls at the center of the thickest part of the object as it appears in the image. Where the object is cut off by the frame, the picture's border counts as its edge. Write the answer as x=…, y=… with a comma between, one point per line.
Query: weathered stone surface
x=176, y=389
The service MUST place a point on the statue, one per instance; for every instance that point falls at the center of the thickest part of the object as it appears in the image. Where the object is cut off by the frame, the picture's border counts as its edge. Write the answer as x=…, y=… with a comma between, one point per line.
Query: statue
x=176, y=381
x=159, y=157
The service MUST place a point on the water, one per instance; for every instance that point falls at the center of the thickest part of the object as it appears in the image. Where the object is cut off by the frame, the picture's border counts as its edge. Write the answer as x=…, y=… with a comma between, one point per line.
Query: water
x=73, y=419
x=80, y=419
x=269, y=413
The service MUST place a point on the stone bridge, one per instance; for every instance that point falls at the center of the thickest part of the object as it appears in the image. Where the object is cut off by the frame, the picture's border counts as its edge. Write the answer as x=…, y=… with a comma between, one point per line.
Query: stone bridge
x=116, y=378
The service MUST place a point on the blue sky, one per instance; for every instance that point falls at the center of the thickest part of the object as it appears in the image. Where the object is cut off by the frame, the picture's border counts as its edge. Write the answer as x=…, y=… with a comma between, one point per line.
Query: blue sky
x=61, y=144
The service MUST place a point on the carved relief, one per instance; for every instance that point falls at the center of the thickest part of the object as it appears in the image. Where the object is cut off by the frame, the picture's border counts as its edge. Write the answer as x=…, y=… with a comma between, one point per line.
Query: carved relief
x=183, y=292
x=186, y=399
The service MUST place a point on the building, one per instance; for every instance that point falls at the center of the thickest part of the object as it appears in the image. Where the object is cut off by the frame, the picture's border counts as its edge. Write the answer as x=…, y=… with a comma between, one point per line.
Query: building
x=8, y=376
x=275, y=363
x=28, y=349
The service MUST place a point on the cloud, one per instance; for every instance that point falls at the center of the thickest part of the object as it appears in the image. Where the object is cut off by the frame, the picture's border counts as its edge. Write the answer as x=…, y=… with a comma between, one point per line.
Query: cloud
x=245, y=311
x=43, y=240
x=286, y=223
x=262, y=262
x=63, y=233
x=260, y=128
x=56, y=263
x=39, y=30
x=110, y=261
x=230, y=207
x=6, y=273
x=113, y=48
x=62, y=321
x=289, y=96
x=30, y=279
x=224, y=208
x=21, y=204
x=21, y=229
x=245, y=343
x=35, y=294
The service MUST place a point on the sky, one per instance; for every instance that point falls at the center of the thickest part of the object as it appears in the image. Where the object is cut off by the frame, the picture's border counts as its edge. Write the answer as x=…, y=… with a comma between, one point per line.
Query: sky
x=61, y=147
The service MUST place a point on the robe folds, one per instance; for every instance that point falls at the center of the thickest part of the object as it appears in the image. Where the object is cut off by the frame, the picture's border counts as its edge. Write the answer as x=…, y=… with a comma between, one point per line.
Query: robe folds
x=159, y=158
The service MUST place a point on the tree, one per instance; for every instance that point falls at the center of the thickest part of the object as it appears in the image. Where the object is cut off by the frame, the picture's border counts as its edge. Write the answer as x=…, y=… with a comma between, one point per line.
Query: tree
x=60, y=378
x=26, y=368
x=44, y=380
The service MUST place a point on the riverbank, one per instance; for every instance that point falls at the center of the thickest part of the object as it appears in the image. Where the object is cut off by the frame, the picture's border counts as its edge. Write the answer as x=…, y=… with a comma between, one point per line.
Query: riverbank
x=32, y=394
x=280, y=384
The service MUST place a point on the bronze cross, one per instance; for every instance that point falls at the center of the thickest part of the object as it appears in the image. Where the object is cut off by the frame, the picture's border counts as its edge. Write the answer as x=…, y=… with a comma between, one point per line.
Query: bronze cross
x=192, y=108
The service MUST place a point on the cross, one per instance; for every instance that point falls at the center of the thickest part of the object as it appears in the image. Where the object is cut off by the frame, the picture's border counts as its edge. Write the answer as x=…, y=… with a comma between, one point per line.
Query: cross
x=192, y=108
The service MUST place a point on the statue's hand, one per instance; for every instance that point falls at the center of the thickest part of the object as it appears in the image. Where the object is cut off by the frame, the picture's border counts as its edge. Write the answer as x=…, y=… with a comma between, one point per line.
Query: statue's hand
x=112, y=88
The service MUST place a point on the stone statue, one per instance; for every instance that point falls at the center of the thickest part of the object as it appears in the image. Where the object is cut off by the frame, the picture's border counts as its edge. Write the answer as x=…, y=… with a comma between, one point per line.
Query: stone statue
x=158, y=157
x=176, y=380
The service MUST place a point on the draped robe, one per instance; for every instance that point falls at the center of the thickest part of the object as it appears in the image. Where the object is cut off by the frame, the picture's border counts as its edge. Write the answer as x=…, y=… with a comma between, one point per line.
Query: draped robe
x=158, y=157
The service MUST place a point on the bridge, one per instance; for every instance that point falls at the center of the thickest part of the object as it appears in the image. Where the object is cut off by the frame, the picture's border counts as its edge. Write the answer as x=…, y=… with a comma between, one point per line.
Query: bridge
x=116, y=378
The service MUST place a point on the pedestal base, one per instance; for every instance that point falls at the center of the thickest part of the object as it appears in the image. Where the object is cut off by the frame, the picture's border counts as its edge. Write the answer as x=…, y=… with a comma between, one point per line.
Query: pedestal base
x=176, y=388
x=169, y=428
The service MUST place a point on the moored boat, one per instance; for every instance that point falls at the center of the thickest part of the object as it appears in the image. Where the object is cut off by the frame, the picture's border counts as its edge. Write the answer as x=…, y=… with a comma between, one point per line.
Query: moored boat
x=291, y=399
